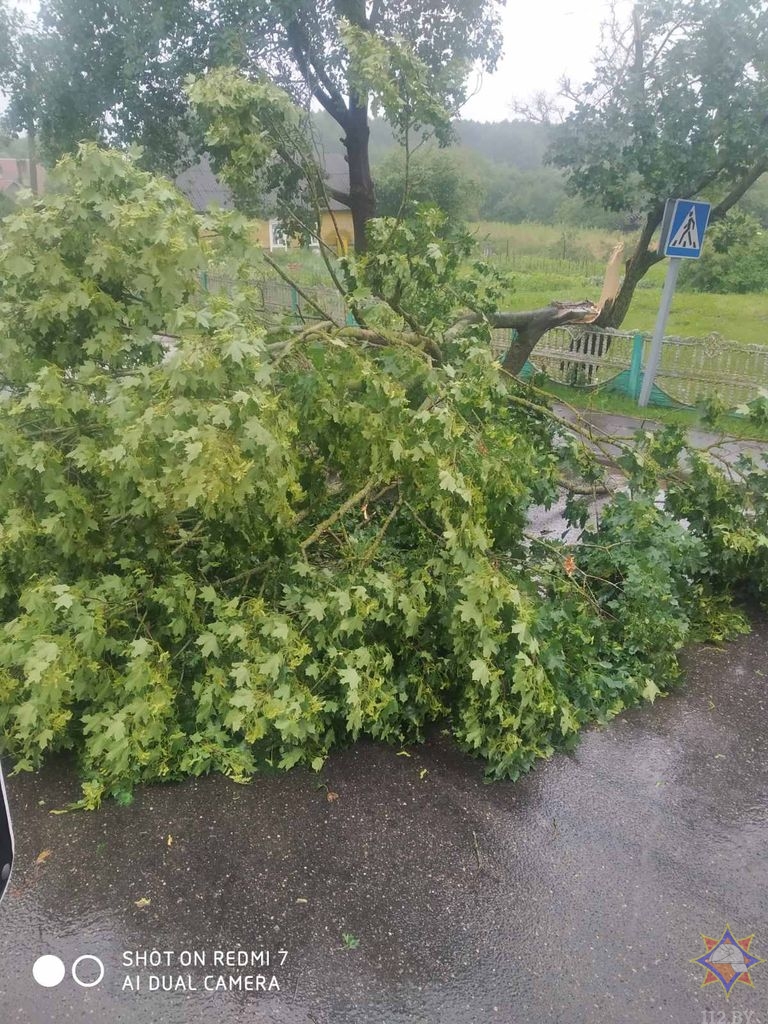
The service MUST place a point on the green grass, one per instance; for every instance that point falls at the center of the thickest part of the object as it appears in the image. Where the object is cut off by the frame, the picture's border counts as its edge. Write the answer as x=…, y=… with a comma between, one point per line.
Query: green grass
x=555, y=241
x=599, y=400
x=741, y=318
x=539, y=264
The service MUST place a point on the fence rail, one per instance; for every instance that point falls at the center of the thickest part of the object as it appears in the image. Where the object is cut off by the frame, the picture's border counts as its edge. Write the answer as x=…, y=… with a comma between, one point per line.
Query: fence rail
x=691, y=369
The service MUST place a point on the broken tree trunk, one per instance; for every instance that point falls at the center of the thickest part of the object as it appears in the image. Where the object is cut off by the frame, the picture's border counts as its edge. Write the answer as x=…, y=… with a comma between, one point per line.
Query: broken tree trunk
x=531, y=326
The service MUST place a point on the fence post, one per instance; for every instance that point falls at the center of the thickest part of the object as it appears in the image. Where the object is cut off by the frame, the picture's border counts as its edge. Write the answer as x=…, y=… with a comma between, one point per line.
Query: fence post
x=636, y=366
x=294, y=302
x=204, y=280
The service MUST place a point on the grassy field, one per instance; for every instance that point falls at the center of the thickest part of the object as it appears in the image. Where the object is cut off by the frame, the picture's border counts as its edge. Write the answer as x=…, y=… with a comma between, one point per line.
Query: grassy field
x=548, y=262
x=562, y=242
x=694, y=314
x=562, y=262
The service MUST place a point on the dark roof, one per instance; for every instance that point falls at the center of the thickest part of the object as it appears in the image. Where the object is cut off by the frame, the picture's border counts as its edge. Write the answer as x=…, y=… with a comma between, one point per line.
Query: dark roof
x=203, y=189
x=337, y=173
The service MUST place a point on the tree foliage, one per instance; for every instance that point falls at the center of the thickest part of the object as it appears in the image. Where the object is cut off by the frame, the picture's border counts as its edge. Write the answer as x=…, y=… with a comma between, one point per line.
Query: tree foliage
x=8, y=28
x=451, y=180
x=735, y=259
x=114, y=72
x=676, y=109
x=226, y=541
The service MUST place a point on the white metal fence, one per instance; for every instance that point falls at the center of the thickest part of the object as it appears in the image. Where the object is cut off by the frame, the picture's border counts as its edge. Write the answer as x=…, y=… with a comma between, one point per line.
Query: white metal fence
x=691, y=368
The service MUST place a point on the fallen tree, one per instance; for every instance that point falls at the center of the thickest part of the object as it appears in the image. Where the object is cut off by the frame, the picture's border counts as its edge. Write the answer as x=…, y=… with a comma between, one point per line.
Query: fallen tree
x=269, y=542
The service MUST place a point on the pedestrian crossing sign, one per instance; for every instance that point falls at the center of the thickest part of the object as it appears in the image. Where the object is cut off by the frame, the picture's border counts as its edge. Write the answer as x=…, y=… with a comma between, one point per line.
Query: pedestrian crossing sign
x=683, y=227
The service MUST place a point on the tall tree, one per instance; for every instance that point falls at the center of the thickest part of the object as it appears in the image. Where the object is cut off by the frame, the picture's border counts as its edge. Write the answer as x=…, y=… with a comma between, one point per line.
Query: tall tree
x=676, y=109
x=453, y=180
x=8, y=27
x=113, y=70
x=18, y=61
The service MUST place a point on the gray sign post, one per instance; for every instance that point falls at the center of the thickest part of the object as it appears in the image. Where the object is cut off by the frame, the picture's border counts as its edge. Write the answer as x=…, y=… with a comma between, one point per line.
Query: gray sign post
x=682, y=235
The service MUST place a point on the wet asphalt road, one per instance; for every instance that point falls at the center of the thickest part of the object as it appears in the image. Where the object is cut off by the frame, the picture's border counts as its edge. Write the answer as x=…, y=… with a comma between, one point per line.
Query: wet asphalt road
x=575, y=895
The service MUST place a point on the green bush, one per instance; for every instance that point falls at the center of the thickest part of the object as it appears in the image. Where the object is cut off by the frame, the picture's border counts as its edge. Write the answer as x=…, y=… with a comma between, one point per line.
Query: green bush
x=734, y=258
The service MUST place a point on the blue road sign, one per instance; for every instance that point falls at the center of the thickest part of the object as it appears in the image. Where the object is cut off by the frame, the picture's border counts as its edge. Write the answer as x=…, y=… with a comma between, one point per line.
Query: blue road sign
x=683, y=227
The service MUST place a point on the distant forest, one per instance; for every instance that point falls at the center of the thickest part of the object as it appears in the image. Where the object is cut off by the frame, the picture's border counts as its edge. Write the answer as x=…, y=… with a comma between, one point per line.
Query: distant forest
x=495, y=171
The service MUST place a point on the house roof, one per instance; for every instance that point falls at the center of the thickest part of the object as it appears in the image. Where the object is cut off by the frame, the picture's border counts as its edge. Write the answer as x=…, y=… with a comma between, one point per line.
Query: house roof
x=14, y=174
x=203, y=189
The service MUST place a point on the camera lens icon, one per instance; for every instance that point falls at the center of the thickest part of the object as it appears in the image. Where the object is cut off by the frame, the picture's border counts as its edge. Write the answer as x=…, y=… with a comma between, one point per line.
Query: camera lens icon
x=49, y=971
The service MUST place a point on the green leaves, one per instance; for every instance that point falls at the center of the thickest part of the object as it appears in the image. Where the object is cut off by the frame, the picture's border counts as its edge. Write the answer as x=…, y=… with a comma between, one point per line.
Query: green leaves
x=419, y=268
x=698, y=76
x=85, y=279
x=223, y=559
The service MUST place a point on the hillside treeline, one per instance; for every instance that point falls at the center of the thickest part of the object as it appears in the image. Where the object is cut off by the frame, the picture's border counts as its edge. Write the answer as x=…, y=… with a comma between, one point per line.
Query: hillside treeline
x=495, y=171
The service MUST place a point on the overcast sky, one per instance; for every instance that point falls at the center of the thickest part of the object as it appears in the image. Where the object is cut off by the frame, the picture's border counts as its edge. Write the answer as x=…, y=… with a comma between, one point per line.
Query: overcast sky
x=543, y=40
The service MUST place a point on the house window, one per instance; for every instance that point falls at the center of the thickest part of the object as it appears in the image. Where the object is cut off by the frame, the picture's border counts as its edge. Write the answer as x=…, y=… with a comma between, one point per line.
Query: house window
x=277, y=237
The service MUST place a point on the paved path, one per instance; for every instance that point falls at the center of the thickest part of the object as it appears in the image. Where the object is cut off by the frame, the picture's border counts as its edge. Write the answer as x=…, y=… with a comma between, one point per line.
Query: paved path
x=620, y=426
x=576, y=895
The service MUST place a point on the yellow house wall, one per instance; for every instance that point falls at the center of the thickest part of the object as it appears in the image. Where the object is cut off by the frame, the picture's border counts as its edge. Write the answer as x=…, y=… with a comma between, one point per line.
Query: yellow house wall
x=259, y=233
x=338, y=235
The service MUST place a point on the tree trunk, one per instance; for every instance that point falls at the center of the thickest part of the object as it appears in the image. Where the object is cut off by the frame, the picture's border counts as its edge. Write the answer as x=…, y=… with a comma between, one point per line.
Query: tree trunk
x=32, y=159
x=31, y=138
x=637, y=266
x=362, y=198
x=531, y=326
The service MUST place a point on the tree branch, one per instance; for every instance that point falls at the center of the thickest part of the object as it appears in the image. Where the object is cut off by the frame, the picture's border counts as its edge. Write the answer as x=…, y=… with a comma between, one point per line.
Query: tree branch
x=342, y=510
x=289, y=280
x=530, y=326
x=739, y=189
x=311, y=67
x=338, y=195
x=556, y=312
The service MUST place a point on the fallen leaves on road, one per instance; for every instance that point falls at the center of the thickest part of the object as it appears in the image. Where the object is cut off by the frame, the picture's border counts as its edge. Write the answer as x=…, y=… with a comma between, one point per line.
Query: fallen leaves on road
x=143, y=902
x=43, y=857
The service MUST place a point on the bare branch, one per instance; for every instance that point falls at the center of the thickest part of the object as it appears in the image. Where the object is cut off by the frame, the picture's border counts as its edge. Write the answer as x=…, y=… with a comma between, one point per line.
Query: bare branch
x=289, y=280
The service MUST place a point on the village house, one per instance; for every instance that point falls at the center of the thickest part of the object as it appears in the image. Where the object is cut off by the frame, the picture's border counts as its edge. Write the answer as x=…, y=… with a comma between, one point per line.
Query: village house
x=14, y=176
x=203, y=189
